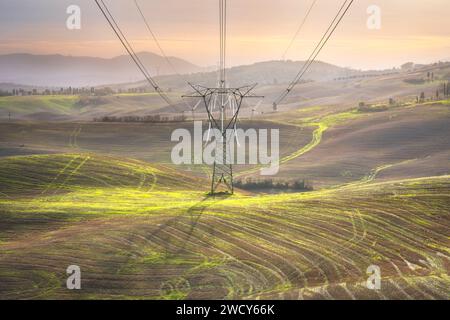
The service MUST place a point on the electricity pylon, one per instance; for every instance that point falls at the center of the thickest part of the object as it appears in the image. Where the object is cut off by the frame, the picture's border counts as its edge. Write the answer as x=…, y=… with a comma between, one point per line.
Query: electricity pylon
x=222, y=105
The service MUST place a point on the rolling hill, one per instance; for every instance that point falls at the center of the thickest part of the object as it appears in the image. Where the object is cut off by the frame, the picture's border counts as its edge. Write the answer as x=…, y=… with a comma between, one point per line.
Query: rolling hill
x=400, y=142
x=139, y=231
x=105, y=196
x=323, y=90
x=59, y=70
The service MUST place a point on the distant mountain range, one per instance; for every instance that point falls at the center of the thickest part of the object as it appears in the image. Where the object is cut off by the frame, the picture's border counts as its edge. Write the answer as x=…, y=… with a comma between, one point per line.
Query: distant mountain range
x=263, y=73
x=58, y=70
x=39, y=71
x=21, y=70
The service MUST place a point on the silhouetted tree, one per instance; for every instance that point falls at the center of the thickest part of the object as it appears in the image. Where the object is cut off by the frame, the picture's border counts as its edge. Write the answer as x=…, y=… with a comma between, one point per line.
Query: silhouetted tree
x=422, y=96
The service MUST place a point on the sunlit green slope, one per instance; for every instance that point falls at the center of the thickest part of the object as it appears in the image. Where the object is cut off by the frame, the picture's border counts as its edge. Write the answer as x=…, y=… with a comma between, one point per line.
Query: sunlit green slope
x=143, y=231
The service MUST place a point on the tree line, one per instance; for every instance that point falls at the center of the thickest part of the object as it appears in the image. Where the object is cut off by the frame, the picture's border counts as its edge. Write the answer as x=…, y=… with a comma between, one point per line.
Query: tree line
x=143, y=119
x=69, y=91
x=270, y=184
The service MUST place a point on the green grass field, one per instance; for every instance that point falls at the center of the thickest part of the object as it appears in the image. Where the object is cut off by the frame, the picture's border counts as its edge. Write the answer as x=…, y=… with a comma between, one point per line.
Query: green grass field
x=107, y=198
x=86, y=108
x=148, y=232
x=32, y=104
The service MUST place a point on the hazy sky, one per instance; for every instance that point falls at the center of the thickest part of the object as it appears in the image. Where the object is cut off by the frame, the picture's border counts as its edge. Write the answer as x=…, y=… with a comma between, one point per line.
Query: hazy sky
x=411, y=30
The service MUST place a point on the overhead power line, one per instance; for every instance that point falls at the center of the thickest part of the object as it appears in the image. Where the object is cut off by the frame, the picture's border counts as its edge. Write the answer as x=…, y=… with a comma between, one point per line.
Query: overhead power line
x=155, y=39
x=223, y=40
x=163, y=53
x=299, y=29
x=123, y=40
x=326, y=36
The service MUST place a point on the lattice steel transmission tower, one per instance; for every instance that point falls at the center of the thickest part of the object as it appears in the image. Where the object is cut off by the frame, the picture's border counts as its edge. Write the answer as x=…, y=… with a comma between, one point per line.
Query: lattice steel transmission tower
x=222, y=105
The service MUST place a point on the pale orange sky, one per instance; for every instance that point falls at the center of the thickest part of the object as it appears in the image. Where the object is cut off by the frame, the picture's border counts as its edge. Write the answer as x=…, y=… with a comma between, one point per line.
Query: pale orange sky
x=414, y=30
